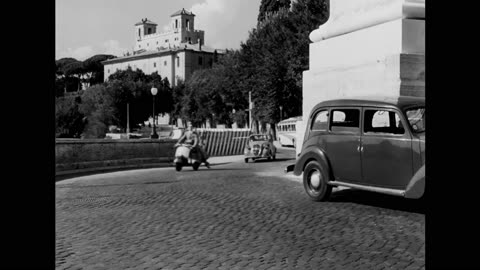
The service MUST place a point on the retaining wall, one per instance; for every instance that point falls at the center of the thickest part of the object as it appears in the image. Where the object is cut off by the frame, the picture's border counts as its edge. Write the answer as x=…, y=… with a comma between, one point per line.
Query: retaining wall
x=97, y=154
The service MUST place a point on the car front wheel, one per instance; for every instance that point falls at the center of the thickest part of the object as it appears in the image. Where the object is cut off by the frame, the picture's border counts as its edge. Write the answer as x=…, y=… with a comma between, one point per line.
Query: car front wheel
x=315, y=180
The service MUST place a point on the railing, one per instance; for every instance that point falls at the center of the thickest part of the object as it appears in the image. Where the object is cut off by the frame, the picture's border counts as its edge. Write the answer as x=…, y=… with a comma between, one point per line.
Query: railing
x=224, y=142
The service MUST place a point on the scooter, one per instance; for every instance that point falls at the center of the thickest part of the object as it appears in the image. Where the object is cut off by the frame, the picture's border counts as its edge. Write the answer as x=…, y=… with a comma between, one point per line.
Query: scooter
x=185, y=155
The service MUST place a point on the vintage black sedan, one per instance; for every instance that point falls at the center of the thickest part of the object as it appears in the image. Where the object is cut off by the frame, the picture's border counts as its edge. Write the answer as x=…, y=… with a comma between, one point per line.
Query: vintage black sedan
x=369, y=143
x=260, y=146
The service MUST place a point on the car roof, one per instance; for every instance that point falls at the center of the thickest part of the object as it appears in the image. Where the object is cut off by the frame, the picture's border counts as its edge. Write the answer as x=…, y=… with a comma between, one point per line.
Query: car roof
x=390, y=101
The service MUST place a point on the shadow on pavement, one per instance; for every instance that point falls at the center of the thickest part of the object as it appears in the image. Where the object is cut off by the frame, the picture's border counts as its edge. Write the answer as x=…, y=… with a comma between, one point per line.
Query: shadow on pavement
x=207, y=170
x=379, y=200
x=266, y=160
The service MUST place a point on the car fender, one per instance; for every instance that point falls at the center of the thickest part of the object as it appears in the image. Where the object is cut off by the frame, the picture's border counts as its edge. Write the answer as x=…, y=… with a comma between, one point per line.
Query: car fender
x=311, y=153
x=416, y=186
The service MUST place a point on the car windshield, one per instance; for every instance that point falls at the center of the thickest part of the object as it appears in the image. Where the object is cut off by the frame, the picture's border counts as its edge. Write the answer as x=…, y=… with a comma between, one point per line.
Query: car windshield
x=416, y=118
x=259, y=138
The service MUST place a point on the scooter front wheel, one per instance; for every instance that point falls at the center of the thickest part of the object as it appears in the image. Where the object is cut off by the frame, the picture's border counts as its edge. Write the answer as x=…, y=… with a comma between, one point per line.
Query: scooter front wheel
x=195, y=165
x=178, y=167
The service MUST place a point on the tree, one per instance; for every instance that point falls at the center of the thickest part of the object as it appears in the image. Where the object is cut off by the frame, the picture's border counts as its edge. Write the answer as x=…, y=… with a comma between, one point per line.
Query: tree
x=69, y=121
x=106, y=104
x=178, y=93
x=97, y=106
x=268, y=7
x=61, y=79
x=76, y=70
x=275, y=55
x=94, y=68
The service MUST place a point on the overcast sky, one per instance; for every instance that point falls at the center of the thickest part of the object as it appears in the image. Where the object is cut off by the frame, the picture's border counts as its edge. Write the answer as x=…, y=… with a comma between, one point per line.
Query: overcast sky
x=84, y=28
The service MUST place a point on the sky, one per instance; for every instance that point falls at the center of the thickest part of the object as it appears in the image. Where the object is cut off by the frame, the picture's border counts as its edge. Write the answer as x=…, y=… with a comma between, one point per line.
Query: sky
x=84, y=28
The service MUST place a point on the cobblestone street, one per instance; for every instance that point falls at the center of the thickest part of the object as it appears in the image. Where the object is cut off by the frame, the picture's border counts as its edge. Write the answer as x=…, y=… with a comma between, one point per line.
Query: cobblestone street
x=235, y=215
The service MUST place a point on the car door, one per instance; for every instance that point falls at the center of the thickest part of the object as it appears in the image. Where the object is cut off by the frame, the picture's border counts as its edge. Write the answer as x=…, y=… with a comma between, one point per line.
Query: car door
x=386, y=148
x=343, y=143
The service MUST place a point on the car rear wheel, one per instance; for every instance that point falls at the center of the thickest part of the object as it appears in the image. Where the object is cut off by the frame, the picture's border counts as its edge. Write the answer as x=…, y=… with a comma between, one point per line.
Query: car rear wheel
x=315, y=180
x=246, y=160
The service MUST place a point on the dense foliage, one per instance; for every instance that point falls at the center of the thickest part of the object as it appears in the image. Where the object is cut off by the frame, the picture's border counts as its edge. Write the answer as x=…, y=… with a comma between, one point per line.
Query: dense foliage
x=104, y=105
x=71, y=73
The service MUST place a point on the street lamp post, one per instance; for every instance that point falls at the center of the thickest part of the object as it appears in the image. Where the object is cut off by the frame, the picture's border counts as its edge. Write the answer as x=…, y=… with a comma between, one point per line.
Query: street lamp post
x=154, y=134
x=281, y=115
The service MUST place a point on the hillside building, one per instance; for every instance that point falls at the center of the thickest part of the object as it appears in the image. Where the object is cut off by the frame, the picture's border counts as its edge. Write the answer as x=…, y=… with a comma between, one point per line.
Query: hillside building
x=174, y=54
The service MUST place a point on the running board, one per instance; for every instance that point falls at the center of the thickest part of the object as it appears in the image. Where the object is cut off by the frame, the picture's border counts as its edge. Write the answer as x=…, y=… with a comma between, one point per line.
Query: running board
x=390, y=191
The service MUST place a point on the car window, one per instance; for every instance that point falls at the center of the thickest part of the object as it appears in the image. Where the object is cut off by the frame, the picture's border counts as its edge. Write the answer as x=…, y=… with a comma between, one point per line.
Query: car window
x=320, y=121
x=259, y=138
x=416, y=118
x=382, y=121
x=345, y=120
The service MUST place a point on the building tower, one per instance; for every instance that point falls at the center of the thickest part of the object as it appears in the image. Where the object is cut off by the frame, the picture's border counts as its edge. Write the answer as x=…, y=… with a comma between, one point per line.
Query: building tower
x=143, y=28
x=183, y=22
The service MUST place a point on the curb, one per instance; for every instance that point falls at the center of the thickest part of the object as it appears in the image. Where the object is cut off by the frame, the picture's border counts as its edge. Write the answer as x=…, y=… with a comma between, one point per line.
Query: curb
x=62, y=175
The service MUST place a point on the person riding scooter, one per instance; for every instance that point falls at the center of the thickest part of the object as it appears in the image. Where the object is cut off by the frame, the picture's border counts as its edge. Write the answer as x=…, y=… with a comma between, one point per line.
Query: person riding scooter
x=191, y=137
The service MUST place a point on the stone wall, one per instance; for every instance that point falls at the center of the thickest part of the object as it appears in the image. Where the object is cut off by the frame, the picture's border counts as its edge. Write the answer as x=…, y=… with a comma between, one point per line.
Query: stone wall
x=97, y=154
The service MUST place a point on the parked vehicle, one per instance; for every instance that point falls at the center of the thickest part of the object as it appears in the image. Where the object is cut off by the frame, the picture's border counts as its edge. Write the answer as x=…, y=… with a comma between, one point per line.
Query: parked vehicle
x=287, y=131
x=375, y=144
x=260, y=146
x=186, y=155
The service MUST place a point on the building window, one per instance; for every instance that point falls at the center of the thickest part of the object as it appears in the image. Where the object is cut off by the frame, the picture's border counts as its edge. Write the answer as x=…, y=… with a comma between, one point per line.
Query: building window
x=200, y=60
x=164, y=63
x=149, y=31
x=176, y=23
x=154, y=64
x=139, y=34
x=166, y=40
x=188, y=24
x=178, y=61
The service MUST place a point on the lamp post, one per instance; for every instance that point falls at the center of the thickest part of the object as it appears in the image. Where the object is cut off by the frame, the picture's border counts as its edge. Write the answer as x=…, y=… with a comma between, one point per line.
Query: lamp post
x=281, y=115
x=154, y=134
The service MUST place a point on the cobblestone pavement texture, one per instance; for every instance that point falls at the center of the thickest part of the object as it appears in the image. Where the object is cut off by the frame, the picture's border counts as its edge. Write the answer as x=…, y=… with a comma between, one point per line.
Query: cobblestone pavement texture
x=232, y=216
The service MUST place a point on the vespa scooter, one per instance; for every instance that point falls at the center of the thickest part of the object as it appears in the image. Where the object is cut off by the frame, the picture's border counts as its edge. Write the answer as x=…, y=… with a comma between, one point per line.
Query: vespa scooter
x=185, y=155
